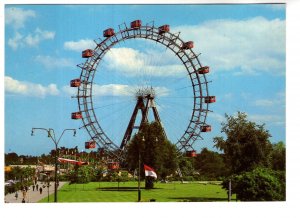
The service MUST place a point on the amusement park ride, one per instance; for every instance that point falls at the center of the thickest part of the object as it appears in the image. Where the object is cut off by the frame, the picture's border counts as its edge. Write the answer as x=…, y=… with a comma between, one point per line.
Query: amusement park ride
x=145, y=96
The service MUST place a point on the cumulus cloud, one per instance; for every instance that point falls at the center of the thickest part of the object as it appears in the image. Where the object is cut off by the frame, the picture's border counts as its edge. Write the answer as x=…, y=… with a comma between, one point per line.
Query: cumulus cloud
x=116, y=90
x=265, y=118
x=38, y=36
x=133, y=62
x=16, y=17
x=218, y=117
x=31, y=40
x=276, y=7
x=16, y=41
x=264, y=102
x=53, y=62
x=251, y=46
x=278, y=100
x=79, y=45
x=13, y=86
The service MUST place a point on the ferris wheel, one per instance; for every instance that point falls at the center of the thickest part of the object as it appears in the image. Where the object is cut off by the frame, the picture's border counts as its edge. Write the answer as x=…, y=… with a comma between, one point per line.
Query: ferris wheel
x=123, y=68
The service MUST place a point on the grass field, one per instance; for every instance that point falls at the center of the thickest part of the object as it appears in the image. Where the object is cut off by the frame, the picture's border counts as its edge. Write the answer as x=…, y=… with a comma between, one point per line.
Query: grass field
x=127, y=192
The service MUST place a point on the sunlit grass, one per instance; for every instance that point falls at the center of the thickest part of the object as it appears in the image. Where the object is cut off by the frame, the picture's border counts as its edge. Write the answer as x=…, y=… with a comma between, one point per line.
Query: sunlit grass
x=127, y=192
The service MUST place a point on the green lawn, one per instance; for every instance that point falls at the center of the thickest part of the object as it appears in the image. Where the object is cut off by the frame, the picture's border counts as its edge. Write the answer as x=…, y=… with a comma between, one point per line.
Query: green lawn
x=127, y=192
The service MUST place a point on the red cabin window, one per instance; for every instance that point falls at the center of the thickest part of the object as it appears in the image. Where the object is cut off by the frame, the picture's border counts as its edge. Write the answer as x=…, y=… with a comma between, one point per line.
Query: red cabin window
x=113, y=165
x=87, y=53
x=210, y=99
x=109, y=32
x=206, y=128
x=76, y=115
x=203, y=70
x=191, y=153
x=188, y=45
x=136, y=24
x=163, y=29
x=75, y=83
x=90, y=145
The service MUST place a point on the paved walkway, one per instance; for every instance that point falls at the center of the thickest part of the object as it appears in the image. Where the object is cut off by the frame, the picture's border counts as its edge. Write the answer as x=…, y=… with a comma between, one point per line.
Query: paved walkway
x=32, y=196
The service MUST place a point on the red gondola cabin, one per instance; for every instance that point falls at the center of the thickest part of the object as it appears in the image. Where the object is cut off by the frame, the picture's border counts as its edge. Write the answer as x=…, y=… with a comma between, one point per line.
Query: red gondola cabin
x=113, y=165
x=163, y=29
x=136, y=24
x=90, y=145
x=87, y=53
x=109, y=32
x=203, y=70
x=76, y=115
x=206, y=128
x=210, y=99
x=75, y=83
x=188, y=45
x=191, y=153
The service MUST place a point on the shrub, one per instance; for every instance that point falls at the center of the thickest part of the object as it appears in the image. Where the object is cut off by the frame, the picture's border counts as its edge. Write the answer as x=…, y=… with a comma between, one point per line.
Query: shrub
x=260, y=184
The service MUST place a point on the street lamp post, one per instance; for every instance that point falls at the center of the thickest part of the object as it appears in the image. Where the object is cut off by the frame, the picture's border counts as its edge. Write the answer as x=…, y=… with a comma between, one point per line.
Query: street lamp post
x=139, y=169
x=51, y=134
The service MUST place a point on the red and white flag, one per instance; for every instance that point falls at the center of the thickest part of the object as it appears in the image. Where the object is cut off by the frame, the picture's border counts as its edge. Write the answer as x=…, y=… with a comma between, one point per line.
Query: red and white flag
x=149, y=171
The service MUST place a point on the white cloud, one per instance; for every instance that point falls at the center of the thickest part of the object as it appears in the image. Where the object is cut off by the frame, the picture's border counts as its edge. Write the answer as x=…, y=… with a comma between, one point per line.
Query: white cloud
x=15, y=42
x=277, y=100
x=79, y=45
x=38, y=36
x=218, y=117
x=52, y=62
x=123, y=90
x=270, y=119
x=31, y=40
x=13, y=86
x=276, y=7
x=17, y=16
x=264, y=102
x=132, y=62
x=116, y=90
x=251, y=46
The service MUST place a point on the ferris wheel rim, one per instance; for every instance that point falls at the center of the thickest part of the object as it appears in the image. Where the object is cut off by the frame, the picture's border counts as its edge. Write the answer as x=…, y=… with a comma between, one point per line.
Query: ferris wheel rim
x=171, y=41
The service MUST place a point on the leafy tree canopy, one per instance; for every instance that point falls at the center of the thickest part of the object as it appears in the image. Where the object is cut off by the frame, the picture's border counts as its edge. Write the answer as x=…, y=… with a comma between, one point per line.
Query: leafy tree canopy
x=210, y=164
x=260, y=184
x=154, y=149
x=278, y=156
x=246, y=145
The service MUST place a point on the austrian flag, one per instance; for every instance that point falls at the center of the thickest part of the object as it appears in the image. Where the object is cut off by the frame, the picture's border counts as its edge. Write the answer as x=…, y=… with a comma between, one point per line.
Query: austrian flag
x=149, y=171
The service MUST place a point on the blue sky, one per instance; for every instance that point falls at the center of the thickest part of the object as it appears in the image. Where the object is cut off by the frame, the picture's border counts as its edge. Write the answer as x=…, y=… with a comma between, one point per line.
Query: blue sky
x=244, y=45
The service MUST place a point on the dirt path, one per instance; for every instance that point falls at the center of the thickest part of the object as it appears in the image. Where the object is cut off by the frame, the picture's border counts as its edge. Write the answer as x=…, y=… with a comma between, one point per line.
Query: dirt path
x=32, y=196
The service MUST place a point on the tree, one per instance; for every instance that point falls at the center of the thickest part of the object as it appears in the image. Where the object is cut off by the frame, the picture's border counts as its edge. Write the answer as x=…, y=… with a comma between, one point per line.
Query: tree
x=247, y=144
x=210, y=165
x=278, y=156
x=11, y=158
x=186, y=165
x=82, y=174
x=260, y=184
x=155, y=150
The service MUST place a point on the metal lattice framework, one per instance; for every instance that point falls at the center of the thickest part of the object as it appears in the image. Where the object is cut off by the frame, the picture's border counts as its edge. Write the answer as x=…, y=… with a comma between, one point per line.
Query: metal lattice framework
x=171, y=41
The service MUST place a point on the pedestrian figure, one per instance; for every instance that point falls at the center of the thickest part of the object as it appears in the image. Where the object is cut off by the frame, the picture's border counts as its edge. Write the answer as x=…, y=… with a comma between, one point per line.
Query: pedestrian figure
x=26, y=188
x=16, y=195
x=33, y=187
x=24, y=193
x=41, y=190
x=37, y=187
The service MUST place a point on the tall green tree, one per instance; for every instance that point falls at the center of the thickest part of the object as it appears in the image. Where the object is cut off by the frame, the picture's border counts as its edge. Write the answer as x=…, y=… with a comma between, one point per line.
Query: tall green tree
x=210, y=164
x=154, y=150
x=246, y=145
x=278, y=156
